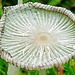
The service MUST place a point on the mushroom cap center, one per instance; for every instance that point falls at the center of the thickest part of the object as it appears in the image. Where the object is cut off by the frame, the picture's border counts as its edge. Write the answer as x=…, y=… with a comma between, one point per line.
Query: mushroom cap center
x=44, y=38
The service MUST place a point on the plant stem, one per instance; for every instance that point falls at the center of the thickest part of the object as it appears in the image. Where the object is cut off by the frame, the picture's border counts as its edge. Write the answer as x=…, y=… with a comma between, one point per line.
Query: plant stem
x=20, y=1
x=13, y=70
x=42, y=72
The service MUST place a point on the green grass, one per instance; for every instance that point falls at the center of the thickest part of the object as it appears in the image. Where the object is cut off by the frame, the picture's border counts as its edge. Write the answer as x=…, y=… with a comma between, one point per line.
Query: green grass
x=69, y=69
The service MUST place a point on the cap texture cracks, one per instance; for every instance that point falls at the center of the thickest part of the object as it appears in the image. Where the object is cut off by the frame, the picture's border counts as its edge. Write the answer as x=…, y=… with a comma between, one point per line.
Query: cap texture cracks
x=37, y=36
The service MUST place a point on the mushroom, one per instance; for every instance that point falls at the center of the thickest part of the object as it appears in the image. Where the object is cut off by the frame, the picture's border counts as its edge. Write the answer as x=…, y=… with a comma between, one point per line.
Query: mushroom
x=37, y=36
x=2, y=22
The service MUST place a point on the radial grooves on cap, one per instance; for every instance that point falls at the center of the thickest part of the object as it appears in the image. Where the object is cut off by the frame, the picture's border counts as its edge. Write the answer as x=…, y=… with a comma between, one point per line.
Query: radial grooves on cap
x=27, y=24
x=49, y=64
x=2, y=22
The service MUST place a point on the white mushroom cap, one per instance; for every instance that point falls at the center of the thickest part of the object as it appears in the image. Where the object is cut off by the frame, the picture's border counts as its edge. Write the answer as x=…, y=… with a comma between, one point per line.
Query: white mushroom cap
x=2, y=22
x=38, y=36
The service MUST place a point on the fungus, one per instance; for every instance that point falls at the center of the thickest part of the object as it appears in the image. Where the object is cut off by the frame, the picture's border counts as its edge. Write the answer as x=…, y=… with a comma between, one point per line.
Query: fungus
x=37, y=36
